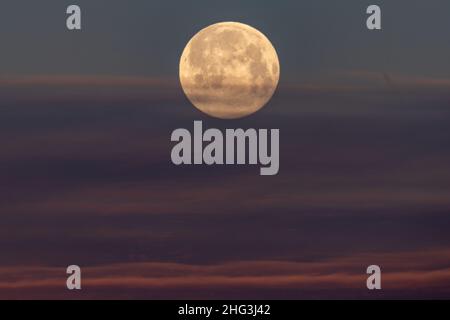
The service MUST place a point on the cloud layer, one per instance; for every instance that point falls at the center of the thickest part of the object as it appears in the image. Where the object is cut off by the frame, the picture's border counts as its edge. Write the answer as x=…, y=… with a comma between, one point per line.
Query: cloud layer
x=88, y=180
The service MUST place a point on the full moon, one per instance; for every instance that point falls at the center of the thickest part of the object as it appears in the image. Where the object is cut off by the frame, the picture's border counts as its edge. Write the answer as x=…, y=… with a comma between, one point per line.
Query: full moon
x=229, y=70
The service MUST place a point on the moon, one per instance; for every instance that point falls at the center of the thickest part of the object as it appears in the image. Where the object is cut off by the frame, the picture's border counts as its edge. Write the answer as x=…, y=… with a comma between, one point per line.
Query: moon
x=229, y=70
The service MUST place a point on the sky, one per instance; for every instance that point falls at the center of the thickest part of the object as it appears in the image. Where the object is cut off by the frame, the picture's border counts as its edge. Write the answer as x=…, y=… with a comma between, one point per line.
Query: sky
x=86, y=176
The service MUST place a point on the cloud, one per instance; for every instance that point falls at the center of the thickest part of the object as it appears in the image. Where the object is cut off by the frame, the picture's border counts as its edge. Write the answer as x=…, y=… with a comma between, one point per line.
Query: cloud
x=360, y=170
x=402, y=273
x=392, y=79
x=84, y=81
x=41, y=90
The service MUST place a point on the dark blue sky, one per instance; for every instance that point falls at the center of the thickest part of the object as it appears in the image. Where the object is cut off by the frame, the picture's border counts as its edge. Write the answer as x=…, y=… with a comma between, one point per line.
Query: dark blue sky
x=147, y=37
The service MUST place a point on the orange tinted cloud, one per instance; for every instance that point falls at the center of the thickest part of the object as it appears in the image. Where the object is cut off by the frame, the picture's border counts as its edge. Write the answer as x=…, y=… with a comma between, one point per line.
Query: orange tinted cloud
x=402, y=272
x=84, y=80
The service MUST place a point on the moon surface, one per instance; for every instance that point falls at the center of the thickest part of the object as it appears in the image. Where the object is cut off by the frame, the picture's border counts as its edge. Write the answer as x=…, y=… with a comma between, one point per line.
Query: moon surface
x=229, y=70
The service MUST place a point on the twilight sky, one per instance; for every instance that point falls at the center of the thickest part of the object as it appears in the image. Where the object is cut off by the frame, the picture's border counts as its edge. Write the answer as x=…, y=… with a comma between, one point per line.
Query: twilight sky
x=86, y=176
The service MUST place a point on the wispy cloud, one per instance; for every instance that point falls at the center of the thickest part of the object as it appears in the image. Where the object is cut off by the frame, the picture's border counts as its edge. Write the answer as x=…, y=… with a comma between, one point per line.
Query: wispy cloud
x=88, y=165
x=41, y=90
x=402, y=272
x=84, y=81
